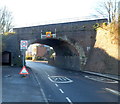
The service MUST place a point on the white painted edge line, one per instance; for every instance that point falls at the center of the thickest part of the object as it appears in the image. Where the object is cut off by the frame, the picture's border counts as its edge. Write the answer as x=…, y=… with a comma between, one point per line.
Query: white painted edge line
x=100, y=80
x=61, y=91
x=69, y=100
x=45, y=98
x=102, y=75
x=56, y=85
x=112, y=91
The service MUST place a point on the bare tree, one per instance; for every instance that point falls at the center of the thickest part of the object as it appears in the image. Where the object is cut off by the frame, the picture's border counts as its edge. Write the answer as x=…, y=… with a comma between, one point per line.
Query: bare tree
x=108, y=8
x=5, y=21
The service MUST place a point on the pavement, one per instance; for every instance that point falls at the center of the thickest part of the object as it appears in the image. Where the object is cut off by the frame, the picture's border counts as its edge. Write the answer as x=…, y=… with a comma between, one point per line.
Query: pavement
x=16, y=88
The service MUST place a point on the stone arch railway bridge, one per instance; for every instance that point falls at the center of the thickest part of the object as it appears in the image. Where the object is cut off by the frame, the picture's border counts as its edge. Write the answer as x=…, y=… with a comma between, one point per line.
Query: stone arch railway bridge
x=73, y=42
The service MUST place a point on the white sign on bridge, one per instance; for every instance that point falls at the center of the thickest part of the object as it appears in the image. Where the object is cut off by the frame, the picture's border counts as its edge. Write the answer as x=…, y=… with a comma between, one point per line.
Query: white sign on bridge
x=23, y=44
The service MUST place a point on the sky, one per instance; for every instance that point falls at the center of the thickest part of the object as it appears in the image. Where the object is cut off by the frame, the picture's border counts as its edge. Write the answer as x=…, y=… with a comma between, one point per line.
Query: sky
x=37, y=12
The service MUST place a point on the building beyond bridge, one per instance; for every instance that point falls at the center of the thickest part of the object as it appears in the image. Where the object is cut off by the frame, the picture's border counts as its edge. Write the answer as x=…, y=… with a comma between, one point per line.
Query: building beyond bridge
x=73, y=42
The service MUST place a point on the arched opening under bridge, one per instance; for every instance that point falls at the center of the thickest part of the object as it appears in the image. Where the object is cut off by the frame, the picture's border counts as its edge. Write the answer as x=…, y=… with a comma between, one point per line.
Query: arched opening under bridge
x=67, y=56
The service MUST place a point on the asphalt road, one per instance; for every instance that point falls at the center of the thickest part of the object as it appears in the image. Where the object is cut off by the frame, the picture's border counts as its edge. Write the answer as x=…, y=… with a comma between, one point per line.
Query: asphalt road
x=59, y=85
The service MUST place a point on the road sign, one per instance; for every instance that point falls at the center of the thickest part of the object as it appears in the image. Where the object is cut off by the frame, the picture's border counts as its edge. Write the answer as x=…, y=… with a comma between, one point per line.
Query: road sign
x=23, y=44
x=24, y=71
x=48, y=34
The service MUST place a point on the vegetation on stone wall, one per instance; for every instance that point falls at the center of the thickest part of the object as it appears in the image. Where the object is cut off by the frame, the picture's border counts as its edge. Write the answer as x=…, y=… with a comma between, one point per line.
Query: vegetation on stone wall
x=108, y=39
x=105, y=54
x=95, y=26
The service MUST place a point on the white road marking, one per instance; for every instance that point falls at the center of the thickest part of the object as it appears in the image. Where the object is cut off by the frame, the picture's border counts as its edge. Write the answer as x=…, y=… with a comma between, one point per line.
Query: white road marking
x=56, y=85
x=112, y=91
x=61, y=91
x=61, y=79
x=100, y=80
x=86, y=76
x=54, y=79
x=47, y=74
x=50, y=79
x=69, y=100
x=41, y=90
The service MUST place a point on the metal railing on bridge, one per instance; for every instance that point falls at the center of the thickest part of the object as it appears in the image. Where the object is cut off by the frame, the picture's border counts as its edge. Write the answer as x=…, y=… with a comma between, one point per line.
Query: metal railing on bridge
x=48, y=35
x=44, y=36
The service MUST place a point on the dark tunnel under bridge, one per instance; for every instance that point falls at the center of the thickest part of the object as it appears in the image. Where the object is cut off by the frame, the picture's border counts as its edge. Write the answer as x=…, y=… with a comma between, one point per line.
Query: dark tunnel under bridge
x=67, y=56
